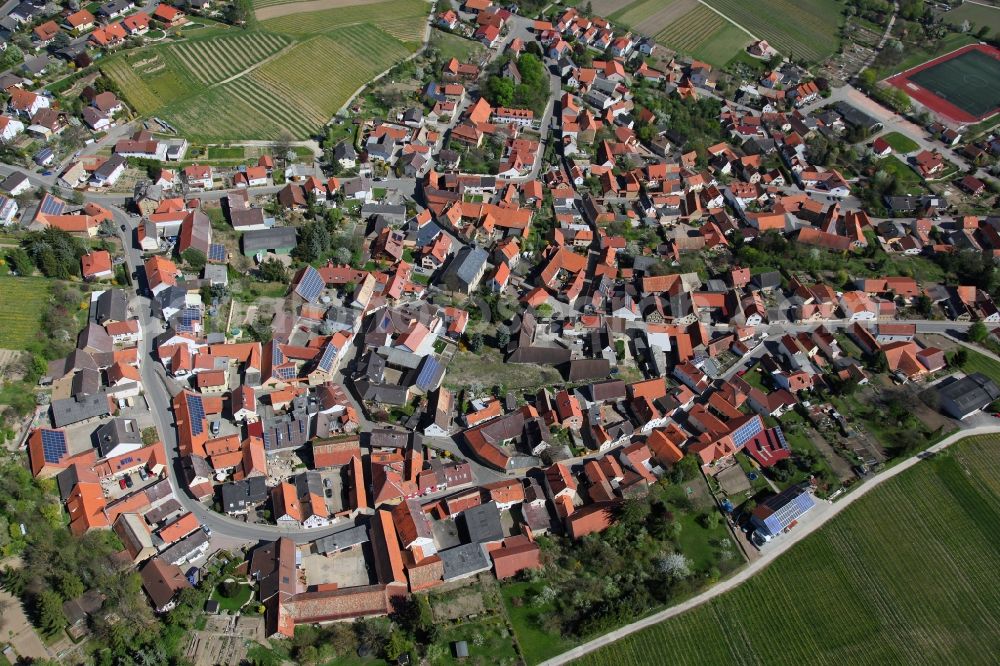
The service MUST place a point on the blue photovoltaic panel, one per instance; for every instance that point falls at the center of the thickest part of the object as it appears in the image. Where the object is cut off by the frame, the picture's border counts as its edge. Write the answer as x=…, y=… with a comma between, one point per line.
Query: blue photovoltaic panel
x=427, y=373
x=285, y=372
x=53, y=445
x=326, y=360
x=277, y=356
x=197, y=410
x=781, y=437
x=217, y=252
x=52, y=206
x=188, y=318
x=310, y=285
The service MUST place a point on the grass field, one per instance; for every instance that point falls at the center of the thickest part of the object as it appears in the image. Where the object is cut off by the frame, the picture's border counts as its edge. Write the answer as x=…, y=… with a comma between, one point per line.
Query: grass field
x=976, y=15
x=291, y=77
x=905, y=176
x=150, y=78
x=976, y=362
x=806, y=29
x=453, y=46
x=970, y=81
x=915, y=56
x=904, y=576
x=705, y=35
x=22, y=300
x=900, y=142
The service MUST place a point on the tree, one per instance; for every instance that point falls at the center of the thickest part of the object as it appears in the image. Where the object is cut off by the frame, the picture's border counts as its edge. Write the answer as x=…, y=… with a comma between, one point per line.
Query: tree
x=273, y=270
x=12, y=56
x=194, y=258
x=50, y=613
x=978, y=332
x=924, y=305
x=503, y=336
x=281, y=147
x=674, y=566
x=19, y=262
x=476, y=343
x=106, y=229
x=499, y=91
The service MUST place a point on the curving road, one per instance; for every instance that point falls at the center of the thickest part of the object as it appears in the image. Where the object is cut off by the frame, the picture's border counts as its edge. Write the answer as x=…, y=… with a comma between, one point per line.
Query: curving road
x=825, y=510
x=159, y=401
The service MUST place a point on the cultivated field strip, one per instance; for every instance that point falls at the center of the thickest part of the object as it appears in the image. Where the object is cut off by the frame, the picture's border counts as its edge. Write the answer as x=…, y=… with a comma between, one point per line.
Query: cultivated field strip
x=356, y=53
x=138, y=94
x=213, y=60
x=651, y=16
x=389, y=12
x=270, y=3
x=907, y=575
x=692, y=30
x=410, y=31
x=609, y=8
x=801, y=28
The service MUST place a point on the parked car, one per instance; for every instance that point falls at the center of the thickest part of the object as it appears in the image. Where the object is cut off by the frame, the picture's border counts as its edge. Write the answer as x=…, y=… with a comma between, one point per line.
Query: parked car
x=128, y=481
x=142, y=473
x=121, y=483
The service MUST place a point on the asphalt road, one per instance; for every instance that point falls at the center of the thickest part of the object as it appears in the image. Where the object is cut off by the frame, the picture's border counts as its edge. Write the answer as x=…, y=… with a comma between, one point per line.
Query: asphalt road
x=235, y=531
x=824, y=511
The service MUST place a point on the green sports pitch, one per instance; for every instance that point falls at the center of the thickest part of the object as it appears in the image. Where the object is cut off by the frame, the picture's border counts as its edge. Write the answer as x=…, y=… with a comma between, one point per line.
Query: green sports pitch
x=969, y=81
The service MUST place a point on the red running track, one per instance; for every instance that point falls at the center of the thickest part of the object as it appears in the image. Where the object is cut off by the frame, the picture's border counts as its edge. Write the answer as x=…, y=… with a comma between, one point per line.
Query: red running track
x=930, y=99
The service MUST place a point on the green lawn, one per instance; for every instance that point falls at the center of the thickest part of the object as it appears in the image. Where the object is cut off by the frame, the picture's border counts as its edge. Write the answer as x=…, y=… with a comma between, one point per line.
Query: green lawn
x=488, y=640
x=225, y=152
x=232, y=604
x=22, y=300
x=900, y=142
x=904, y=576
x=527, y=617
x=453, y=46
x=976, y=362
x=905, y=176
x=977, y=15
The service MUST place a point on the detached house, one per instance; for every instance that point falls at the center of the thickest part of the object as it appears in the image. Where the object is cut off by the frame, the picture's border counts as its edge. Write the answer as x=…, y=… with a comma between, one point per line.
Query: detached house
x=199, y=177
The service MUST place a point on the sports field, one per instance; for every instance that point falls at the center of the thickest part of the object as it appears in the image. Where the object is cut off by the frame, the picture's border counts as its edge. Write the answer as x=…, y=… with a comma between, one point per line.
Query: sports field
x=292, y=75
x=802, y=29
x=964, y=86
x=22, y=300
x=906, y=575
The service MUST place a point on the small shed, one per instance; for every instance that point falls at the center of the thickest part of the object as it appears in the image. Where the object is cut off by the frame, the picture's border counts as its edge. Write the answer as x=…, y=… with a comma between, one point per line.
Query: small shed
x=212, y=607
x=461, y=649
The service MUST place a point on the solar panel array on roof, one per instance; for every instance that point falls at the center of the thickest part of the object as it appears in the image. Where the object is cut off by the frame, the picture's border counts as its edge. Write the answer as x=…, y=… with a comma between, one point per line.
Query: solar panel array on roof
x=326, y=360
x=53, y=445
x=277, y=356
x=217, y=252
x=188, y=318
x=310, y=285
x=425, y=379
x=285, y=372
x=197, y=410
x=51, y=205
